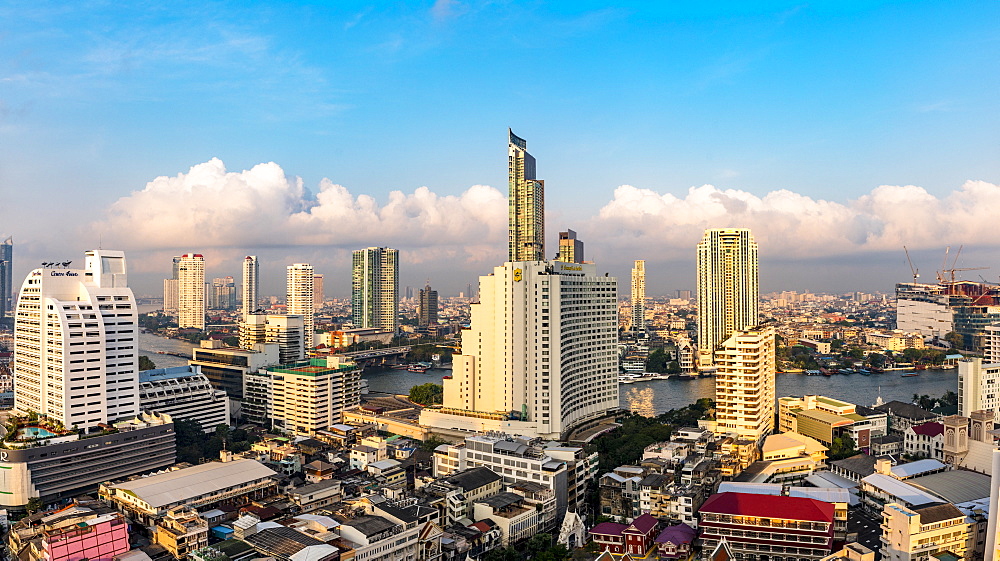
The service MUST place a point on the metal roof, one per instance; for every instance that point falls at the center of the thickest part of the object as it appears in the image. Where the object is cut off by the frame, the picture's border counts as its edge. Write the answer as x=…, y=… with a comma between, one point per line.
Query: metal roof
x=183, y=485
x=913, y=469
x=900, y=490
x=956, y=486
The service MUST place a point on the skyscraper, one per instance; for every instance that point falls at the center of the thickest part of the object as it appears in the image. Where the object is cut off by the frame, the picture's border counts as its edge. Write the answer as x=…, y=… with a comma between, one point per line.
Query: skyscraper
x=744, y=384
x=75, y=357
x=318, y=296
x=299, y=297
x=427, y=307
x=375, y=288
x=526, y=200
x=251, y=284
x=223, y=294
x=639, y=296
x=728, y=289
x=540, y=356
x=570, y=248
x=6, y=278
x=191, y=290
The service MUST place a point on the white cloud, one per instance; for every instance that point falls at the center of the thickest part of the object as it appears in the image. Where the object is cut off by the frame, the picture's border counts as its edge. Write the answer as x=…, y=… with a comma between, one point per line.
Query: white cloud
x=787, y=224
x=210, y=207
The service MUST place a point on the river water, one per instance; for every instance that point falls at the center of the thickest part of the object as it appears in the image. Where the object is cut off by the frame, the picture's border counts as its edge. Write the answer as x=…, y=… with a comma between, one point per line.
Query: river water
x=676, y=393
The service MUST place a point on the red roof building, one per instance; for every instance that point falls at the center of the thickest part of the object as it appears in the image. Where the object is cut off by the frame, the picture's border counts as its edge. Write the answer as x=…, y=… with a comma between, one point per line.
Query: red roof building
x=635, y=538
x=767, y=528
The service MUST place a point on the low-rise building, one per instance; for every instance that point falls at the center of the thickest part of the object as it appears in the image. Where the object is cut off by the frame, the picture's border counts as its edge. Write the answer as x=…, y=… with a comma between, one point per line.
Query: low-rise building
x=904, y=415
x=78, y=531
x=762, y=525
x=181, y=532
x=635, y=539
x=921, y=532
x=675, y=542
x=924, y=441
x=516, y=520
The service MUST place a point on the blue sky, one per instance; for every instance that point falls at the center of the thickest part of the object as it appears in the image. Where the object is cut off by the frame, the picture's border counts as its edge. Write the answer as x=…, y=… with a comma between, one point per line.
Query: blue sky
x=827, y=100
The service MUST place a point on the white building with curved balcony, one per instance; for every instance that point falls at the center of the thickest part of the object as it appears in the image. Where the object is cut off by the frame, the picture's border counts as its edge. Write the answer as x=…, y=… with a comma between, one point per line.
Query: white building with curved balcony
x=76, y=337
x=540, y=357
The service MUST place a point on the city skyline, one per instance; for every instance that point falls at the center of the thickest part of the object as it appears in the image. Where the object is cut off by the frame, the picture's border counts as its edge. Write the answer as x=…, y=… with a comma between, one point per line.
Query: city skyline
x=762, y=115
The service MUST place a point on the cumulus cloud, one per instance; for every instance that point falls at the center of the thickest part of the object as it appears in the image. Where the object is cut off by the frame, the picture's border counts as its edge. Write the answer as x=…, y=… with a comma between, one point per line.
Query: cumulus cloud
x=210, y=207
x=792, y=225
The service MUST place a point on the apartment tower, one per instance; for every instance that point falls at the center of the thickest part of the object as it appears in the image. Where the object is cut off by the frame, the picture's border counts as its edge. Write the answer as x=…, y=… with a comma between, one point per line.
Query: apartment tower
x=375, y=288
x=299, y=298
x=728, y=289
x=744, y=384
x=570, y=248
x=191, y=291
x=251, y=284
x=427, y=307
x=639, y=296
x=171, y=289
x=526, y=200
x=318, y=296
x=76, y=333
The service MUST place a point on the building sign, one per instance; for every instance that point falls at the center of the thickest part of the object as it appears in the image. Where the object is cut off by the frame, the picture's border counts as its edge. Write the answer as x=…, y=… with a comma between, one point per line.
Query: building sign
x=517, y=275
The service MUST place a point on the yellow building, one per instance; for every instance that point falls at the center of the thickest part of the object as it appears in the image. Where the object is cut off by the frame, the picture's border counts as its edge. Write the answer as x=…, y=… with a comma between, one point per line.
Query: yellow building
x=728, y=287
x=181, y=531
x=917, y=534
x=744, y=384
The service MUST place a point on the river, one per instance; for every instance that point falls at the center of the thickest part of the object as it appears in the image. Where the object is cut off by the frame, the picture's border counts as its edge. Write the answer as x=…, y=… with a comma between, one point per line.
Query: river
x=676, y=393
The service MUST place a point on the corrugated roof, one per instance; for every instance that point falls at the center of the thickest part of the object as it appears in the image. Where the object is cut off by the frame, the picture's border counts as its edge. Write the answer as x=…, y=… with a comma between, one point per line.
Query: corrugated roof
x=827, y=494
x=913, y=469
x=956, y=486
x=755, y=488
x=183, y=485
x=899, y=489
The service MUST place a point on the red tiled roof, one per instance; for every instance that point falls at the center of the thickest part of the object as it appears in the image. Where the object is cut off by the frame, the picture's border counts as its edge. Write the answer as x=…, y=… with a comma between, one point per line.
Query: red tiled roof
x=788, y=508
x=608, y=529
x=929, y=429
x=644, y=524
x=481, y=526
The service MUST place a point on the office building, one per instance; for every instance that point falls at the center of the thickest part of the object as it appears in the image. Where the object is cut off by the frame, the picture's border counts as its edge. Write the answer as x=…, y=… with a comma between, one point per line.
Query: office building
x=184, y=393
x=427, y=310
x=75, y=340
x=639, y=296
x=251, y=284
x=728, y=289
x=6, y=279
x=285, y=331
x=922, y=532
x=826, y=418
x=222, y=295
x=303, y=397
x=226, y=367
x=744, y=384
x=318, y=296
x=69, y=466
x=299, y=298
x=375, y=288
x=191, y=291
x=526, y=200
x=541, y=355
x=570, y=248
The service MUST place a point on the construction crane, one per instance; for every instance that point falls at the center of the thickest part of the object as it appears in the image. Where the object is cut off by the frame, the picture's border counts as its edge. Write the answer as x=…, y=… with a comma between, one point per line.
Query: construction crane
x=916, y=272
x=952, y=272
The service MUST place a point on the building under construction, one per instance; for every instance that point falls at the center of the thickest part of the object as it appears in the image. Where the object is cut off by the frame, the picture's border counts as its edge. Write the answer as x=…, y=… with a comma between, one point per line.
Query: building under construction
x=934, y=310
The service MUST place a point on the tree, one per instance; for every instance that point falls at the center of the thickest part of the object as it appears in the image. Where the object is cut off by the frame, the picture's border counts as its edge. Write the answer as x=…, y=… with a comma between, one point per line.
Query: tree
x=146, y=363
x=432, y=442
x=673, y=367
x=657, y=361
x=955, y=339
x=34, y=504
x=222, y=431
x=427, y=394
x=842, y=447
x=231, y=341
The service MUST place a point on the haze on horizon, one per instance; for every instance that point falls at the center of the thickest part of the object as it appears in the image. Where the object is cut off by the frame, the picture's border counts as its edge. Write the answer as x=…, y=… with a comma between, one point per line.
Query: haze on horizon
x=836, y=131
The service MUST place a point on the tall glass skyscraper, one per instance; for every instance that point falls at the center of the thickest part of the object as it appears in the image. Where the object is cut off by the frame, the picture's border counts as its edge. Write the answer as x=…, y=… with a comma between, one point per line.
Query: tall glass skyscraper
x=375, y=288
x=7, y=278
x=526, y=199
x=728, y=287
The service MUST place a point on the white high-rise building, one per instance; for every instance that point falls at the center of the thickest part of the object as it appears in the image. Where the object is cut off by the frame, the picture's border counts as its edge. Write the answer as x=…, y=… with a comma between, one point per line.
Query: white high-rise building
x=375, y=288
x=76, y=334
x=251, y=284
x=286, y=331
x=744, y=384
x=541, y=355
x=191, y=291
x=728, y=287
x=978, y=386
x=639, y=296
x=299, y=297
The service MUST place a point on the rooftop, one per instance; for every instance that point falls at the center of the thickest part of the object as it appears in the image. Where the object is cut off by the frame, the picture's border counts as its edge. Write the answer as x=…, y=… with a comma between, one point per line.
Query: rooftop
x=955, y=486
x=787, y=508
x=931, y=429
x=899, y=489
x=473, y=478
x=932, y=513
x=906, y=410
x=183, y=485
x=913, y=469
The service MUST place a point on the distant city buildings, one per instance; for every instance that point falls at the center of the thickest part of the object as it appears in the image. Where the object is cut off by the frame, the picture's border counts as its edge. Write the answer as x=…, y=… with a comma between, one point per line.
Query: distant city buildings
x=171, y=289
x=526, y=200
x=251, y=284
x=934, y=310
x=427, y=311
x=299, y=298
x=570, y=248
x=728, y=290
x=639, y=296
x=223, y=294
x=75, y=357
x=375, y=288
x=191, y=291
